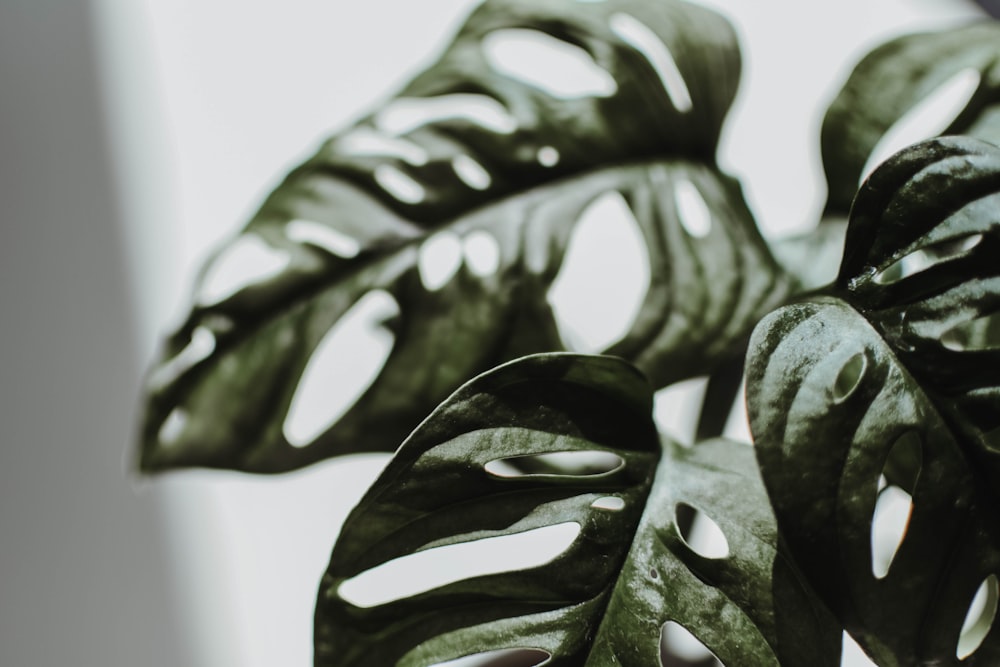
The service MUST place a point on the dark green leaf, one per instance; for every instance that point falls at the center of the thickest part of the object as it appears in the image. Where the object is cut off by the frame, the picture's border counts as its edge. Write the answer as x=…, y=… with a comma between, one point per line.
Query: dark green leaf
x=922, y=265
x=373, y=239
x=602, y=600
x=869, y=381
x=961, y=63
x=905, y=91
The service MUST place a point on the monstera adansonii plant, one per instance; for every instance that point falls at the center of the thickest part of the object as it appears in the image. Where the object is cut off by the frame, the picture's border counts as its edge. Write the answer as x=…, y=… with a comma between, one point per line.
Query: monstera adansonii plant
x=439, y=229
x=889, y=382
x=907, y=90
x=627, y=572
x=888, y=379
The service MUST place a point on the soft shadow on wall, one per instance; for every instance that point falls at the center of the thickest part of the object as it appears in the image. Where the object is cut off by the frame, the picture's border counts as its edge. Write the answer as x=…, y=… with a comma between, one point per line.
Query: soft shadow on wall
x=82, y=559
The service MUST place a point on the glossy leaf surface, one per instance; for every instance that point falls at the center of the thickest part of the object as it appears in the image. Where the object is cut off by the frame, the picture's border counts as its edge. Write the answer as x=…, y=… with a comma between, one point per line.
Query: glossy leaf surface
x=602, y=600
x=867, y=393
x=440, y=225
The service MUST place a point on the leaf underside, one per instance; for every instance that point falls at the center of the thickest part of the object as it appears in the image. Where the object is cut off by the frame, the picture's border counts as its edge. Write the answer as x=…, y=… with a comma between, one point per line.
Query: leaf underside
x=493, y=160
x=893, y=378
x=605, y=598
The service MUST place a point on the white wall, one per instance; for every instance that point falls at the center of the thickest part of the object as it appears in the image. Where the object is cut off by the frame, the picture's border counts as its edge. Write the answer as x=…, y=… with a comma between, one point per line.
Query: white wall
x=214, y=102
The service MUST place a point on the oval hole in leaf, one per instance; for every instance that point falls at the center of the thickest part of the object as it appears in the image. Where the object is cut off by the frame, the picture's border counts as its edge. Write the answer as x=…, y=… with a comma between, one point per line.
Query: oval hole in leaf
x=439, y=260
x=482, y=253
x=637, y=34
x=924, y=258
x=509, y=657
x=737, y=425
x=700, y=533
x=604, y=276
x=694, y=214
x=471, y=172
x=610, y=503
x=345, y=363
x=323, y=236
x=680, y=648
x=889, y=523
x=555, y=66
x=978, y=335
x=894, y=504
x=548, y=156
x=849, y=378
x=576, y=464
x=406, y=114
x=173, y=427
x=249, y=260
x=426, y=570
x=979, y=619
x=364, y=141
x=201, y=347
x=927, y=118
x=399, y=184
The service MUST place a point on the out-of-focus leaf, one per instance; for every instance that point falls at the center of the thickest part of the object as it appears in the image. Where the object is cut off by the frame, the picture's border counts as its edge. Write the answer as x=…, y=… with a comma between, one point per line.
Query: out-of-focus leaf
x=902, y=92
x=437, y=228
x=889, y=386
x=604, y=598
x=961, y=64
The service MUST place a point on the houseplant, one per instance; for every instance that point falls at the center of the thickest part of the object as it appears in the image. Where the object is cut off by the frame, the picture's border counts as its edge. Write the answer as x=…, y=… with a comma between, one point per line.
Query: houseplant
x=252, y=344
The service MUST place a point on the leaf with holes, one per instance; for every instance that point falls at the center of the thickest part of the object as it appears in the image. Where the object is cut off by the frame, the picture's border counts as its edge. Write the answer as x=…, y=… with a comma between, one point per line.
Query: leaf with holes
x=908, y=90
x=905, y=91
x=875, y=411
x=555, y=149
x=452, y=553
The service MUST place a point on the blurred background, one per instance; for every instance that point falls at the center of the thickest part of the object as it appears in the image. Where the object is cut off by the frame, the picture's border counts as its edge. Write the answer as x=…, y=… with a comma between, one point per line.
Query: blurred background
x=135, y=135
